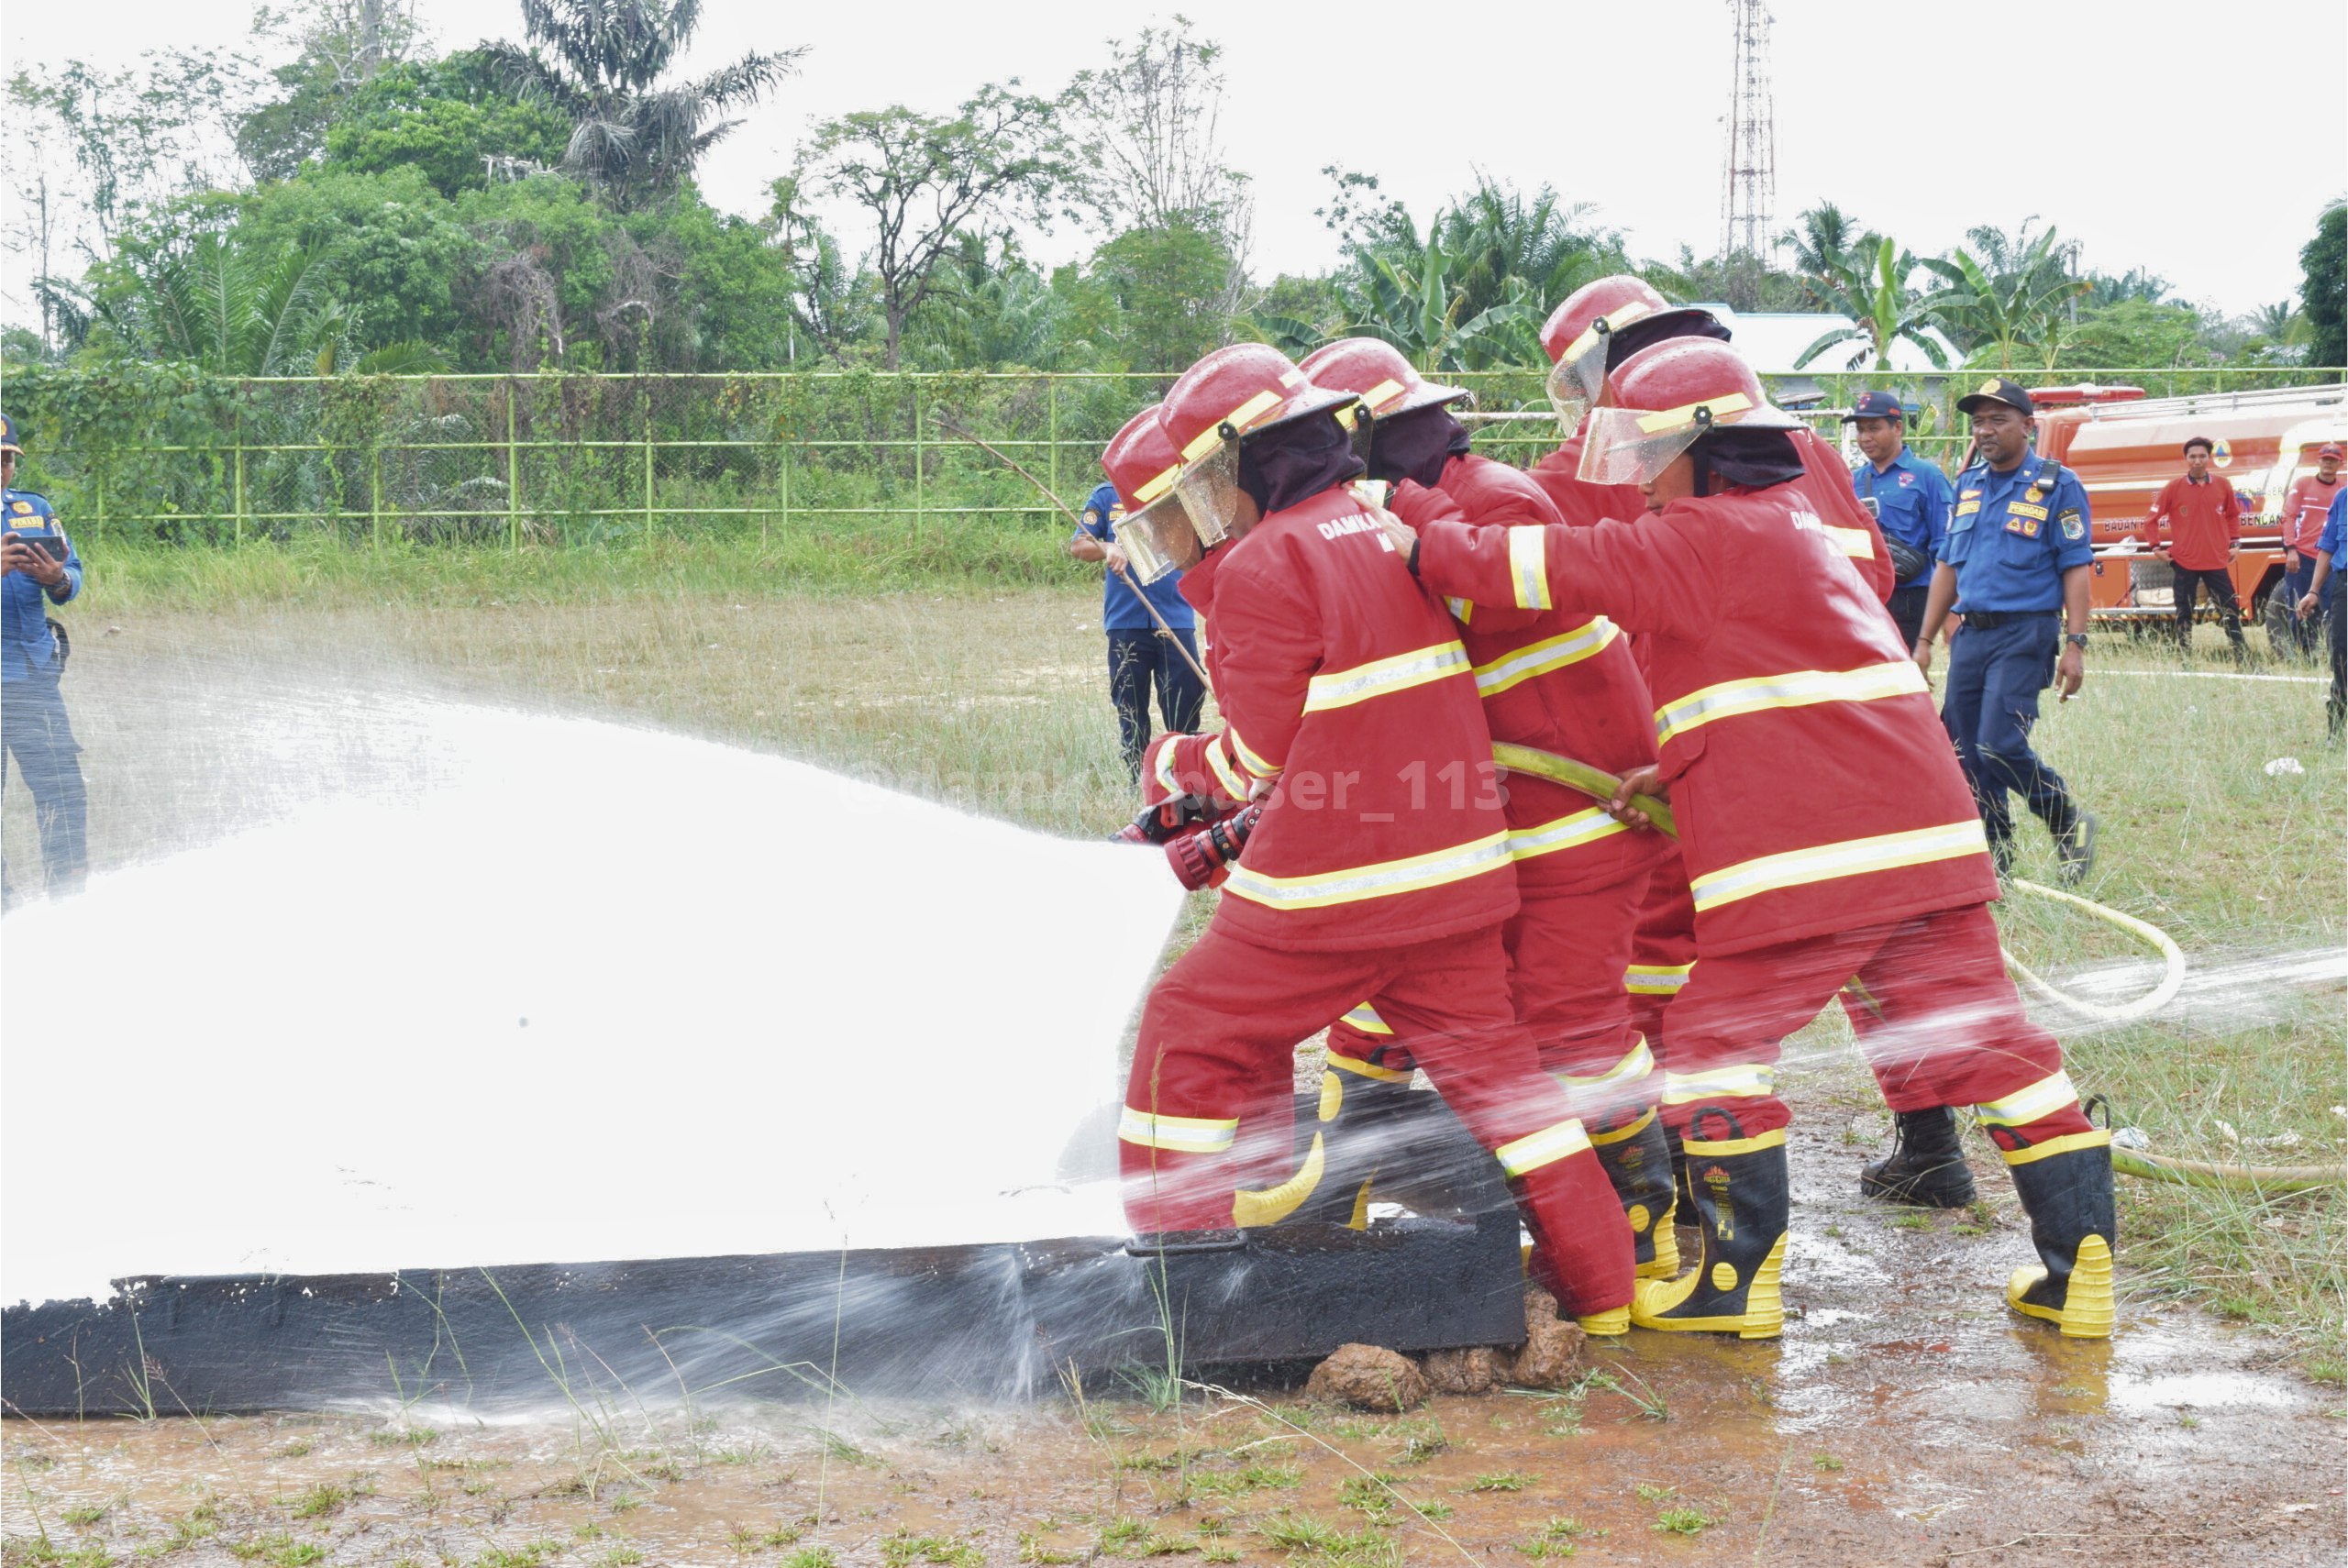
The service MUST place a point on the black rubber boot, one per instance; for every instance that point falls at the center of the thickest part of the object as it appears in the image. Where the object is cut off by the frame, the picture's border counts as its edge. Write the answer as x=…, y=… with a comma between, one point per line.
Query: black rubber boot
x=1344, y=1134
x=2067, y=1195
x=1637, y=1161
x=1742, y=1203
x=2075, y=848
x=1926, y=1165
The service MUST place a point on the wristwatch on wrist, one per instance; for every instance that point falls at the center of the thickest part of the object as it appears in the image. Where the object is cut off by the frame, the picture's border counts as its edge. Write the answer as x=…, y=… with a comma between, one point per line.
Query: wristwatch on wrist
x=2077, y=639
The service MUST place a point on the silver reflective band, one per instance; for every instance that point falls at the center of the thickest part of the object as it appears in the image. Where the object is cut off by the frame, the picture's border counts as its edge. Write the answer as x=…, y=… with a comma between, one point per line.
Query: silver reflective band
x=1795, y=688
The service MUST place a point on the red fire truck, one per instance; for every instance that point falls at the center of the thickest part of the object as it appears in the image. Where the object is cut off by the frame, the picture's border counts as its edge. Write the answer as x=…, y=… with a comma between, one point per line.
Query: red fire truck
x=2124, y=446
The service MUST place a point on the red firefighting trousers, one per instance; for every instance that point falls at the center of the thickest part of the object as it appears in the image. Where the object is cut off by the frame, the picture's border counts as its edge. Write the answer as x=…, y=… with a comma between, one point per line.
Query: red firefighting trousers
x=1937, y=1018
x=1208, y=1129
x=1663, y=951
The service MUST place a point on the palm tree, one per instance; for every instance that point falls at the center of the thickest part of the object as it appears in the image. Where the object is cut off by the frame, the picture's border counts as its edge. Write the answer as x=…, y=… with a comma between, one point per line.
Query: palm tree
x=217, y=306
x=1829, y=239
x=1873, y=292
x=1497, y=234
x=1416, y=299
x=1998, y=311
x=631, y=138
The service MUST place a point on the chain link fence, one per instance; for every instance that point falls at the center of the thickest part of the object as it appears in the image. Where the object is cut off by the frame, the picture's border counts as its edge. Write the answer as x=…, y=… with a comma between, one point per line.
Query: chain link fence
x=153, y=453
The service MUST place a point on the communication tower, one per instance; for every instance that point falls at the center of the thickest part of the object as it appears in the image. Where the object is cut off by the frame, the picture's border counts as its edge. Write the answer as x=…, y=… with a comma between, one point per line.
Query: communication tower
x=1749, y=184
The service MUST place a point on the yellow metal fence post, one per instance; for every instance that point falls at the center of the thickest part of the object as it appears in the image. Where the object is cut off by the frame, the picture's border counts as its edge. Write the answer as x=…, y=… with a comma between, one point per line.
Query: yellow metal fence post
x=513, y=477
x=375, y=488
x=921, y=505
x=240, y=475
x=648, y=469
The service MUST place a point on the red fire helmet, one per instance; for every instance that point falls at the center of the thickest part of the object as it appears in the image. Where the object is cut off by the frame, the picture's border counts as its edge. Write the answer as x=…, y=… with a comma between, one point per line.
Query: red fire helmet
x=1376, y=372
x=1578, y=336
x=1140, y=459
x=1237, y=392
x=1665, y=398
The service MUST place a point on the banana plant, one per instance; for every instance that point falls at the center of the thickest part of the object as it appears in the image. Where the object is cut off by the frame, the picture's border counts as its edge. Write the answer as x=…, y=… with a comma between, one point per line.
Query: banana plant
x=2000, y=315
x=1873, y=292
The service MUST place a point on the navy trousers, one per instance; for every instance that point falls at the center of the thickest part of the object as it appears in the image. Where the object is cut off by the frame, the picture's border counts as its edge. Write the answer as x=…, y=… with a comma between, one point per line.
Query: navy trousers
x=1138, y=660
x=1995, y=675
x=36, y=732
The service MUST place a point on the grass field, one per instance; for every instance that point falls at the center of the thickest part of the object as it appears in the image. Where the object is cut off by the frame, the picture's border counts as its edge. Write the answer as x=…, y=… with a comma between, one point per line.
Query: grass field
x=895, y=666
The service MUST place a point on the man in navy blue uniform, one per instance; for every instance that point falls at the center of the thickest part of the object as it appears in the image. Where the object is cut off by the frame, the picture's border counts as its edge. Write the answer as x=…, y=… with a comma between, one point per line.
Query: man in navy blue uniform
x=2015, y=564
x=2329, y=546
x=1140, y=655
x=1910, y=499
x=37, y=569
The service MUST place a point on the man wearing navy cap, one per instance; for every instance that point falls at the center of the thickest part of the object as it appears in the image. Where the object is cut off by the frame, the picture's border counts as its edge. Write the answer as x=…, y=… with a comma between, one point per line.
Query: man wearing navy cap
x=1910, y=498
x=39, y=567
x=2015, y=564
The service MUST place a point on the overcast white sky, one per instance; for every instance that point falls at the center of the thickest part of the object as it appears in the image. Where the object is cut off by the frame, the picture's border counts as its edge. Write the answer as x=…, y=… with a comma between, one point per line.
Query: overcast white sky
x=2199, y=142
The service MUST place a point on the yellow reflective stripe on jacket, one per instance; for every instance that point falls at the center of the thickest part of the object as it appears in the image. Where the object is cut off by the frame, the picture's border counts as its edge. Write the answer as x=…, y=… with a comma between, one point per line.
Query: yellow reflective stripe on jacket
x=1546, y=1147
x=1249, y=758
x=1738, y=1080
x=1541, y=657
x=1528, y=565
x=1852, y=858
x=1852, y=542
x=1164, y=768
x=1637, y=1064
x=1374, y=881
x=1380, y=677
x=1564, y=832
x=1462, y=610
x=1365, y=1018
x=1225, y=774
x=1657, y=980
x=2044, y=1098
x=1795, y=688
x=1184, y=1134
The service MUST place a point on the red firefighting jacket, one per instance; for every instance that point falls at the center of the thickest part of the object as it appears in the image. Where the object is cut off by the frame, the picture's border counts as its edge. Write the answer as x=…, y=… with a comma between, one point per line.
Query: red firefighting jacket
x=1562, y=682
x=2303, y=512
x=1342, y=682
x=1825, y=478
x=1814, y=788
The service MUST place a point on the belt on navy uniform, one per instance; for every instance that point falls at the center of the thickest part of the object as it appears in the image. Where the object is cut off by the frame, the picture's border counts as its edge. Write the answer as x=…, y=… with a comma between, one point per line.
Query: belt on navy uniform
x=1990, y=620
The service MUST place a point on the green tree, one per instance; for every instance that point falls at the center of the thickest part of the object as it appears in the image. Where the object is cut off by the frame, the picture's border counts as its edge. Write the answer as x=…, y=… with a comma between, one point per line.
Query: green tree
x=2323, y=264
x=451, y=120
x=1415, y=298
x=1509, y=247
x=632, y=138
x=1739, y=280
x=2006, y=302
x=923, y=179
x=236, y=309
x=1872, y=290
x=396, y=242
x=2136, y=334
x=1153, y=301
x=1830, y=241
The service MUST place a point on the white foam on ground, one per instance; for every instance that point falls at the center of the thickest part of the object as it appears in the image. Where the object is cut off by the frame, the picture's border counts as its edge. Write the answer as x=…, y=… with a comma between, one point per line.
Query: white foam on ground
x=767, y=1008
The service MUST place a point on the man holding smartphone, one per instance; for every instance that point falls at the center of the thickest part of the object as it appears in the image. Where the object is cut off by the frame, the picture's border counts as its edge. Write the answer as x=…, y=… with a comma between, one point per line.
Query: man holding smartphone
x=39, y=567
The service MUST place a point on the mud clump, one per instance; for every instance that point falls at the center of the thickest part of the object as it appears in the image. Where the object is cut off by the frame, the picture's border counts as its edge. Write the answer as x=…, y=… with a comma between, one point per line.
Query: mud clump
x=1478, y=1371
x=1369, y=1377
x=1551, y=1354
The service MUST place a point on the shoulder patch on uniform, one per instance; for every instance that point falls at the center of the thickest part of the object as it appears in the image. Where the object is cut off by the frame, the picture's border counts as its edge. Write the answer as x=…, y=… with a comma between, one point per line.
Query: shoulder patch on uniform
x=2074, y=527
x=1091, y=516
x=21, y=508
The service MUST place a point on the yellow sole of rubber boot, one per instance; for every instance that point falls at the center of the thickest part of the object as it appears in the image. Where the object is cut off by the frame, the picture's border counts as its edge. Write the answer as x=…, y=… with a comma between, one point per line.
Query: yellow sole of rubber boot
x=1764, y=1317
x=2087, y=1312
x=1607, y=1325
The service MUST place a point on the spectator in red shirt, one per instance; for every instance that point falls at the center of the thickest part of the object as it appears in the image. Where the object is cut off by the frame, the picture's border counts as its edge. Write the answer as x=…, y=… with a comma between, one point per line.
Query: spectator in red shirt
x=2304, y=505
x=2205, y=519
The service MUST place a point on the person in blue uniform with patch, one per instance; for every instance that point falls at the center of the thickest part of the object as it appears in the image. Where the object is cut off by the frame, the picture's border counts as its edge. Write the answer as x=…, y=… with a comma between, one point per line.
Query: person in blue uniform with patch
x=1910, y=498
x=39, y=567
x=1140, y=655
x=2015, y=564
x=2322, y=594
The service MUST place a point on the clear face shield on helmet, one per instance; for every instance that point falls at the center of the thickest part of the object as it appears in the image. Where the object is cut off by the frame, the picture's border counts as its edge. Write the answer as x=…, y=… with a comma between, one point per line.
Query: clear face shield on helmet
x=1209, y=492
x=1576, y=380
x=1159, y=539
x=1633, y=446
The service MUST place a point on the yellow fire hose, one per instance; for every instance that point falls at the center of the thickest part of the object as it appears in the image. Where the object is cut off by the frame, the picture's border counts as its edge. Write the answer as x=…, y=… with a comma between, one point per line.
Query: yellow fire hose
x=1601, y=785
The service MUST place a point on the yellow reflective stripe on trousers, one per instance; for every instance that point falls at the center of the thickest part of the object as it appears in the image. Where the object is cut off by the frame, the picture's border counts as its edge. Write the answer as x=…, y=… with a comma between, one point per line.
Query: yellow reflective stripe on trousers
x=1852, y=858
x=1564, y=832
x=1657, y=980
x=2070, y=1142
x=1375, y=881
x=1362, y=1069
x=2044, y=1098
x=1794, y=689
x=1184, y=1134
x=1738, y=1080
x=1637, y=1064
x=1380, y=677
x=1528, y=565
x=1541, y=657
x=1542, y=1148
x=1248, y=757
x=1365, y=1018
x=1225, y=774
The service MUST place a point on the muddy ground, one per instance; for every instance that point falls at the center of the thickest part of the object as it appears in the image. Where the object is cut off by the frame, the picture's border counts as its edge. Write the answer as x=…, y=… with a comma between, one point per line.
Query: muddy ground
x=1905, y=1418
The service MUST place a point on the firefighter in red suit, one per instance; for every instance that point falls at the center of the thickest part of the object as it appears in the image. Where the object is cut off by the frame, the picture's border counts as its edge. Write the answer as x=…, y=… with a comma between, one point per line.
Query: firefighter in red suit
x=1826, y=828
x=1380, y=867
x=1587, y=337
x=1565, y=684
